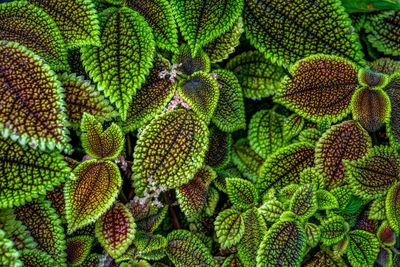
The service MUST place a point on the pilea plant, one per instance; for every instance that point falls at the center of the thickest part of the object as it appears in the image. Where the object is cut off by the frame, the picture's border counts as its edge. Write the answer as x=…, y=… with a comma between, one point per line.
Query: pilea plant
x=199, y=133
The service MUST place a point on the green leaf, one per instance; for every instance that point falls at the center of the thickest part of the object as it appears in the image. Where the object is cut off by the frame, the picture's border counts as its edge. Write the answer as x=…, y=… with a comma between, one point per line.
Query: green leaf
x=27, y=173
x=189, y=64
x=242, y=193
x=310, y=135
x=160, y=18
x=246, y=159
x=385, y=257
x=258, y=76
x=369, y=5
x=225, y=44
x=229, y=114
x=229, y=227
x=150, y=100
x=344, y=141
x=100, y=144
x=271, y=210
x=78, y=248
x=8, y=255
x=34, y=257
x=184, y=141
x=292, y=126
x=324, y=258
x=305, y=28
x=266, y=132
x=93, y=191
x=219, y=149
x=312, y=176
x=185, y=249
x=386, y=234
x=28, y=88
x=304, y=201
x=320, y=88
x=343, y=195
x=115, y=230
x=372, y=79
x=56, y=197
x=203, y=21
x=201, y=92
x=35, y=29
x=363, y=248
x=385, y=65
x=393, y=207
x=326, y=200
x=149, y=247
x=120, y=65
x=371, y=108
x=284, y=166
x=283, y=245
x=151, y=223
x=377, y=209
x=333, y=230
x=393, y=127
x=232, y=261
x=313, y=234
x=77, y=20
x=80, y=97
x=146, y=216
x=45, y=227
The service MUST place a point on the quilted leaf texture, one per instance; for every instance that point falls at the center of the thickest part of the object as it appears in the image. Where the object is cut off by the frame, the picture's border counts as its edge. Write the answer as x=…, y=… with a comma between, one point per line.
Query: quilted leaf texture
x=392, y=205
x=91, y=193
x=241, y=192
x=28, y=87
x=78, y=248
x=232, y=261
x=287, y=32
x=369, y=5
x=188, y=64
x=321, y=87
x=97, y=143
x=202, y=21
x=120, y=64
x=9, y=255
x=77, y=20
x=27, y=173
x=170, y=150
x=219, y=149
x=34, y=257
x=304, y=201
x=247, y=160
x=229, y=227
x=386, y=234
x=35, y=29
x=372, y=79
x=313, y=234
x=333, y=230
x=393, y=91
x=292, y=126
x=363, y=248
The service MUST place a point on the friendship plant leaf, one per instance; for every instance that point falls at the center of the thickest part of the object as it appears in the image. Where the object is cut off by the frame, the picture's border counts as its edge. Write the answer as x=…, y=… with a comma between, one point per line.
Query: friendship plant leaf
x=211, y=201
x=258, y=76
x=201, y=92
x=266, y=132
x=371, y=108
x=246, y=159
x=363, y=248
x=304, y=201
x=313, y=234
x=35, y=29
x=170, y=150
x=151, y=98
x=150, y=223
x=287, y=32
x=310, y=135
x=229, y=227
x=372, y=79
x=271, y=210
x=393, y=91
x=80, y=97
x=283, y=245
x=385, y=257
x=160, y=18
x=324, y=258
x=77, y=20
x=45, y=227
x=30, y=100
x=386, y=234
x=312, y=176
x=242, y=193
x=326, y=200
x=27, y=173
x=232, y=261
x=321, y=87
x=332, y=230
x=56, y=198
x=202, y=21
x=369, y=5
x=385, y=65
x=78, y=248
x=93, y=191
x=115, y=230
x=344, y=141
x=292, y=126
x=9, y=256
x=284, y=166
x=219, y=148
x=393, y=207
x=373, y=175
x=377, y=209
x=184, y=249
x=148, y=243
x=100, y=144
x=229, y=114
x=189, y=64
x=120, y=65
x=34, y=257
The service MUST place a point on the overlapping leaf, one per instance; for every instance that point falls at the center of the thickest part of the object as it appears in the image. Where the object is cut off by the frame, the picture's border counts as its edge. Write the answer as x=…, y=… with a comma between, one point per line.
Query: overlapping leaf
x=363, y=248
x=232, y=261
x=78, y=248
x=28, y=88
x=313, y=234
x=271, y=210
x=287, y=32
x=324, y=258
x=393, y=206
x=189, y=64
x=312, y=176
x=304, y=201
x=34, y=257
x=247, y=160
x=229, y=227
x=321, y=87
x=326, y=200
x=310, y=135
x=35, y=29
x=219, y=149
x=333, y=230
x=377, y=209
x=170, y=150
x=292, y=126
x=241, y=192
x=385, y=65
x=369, y=5
x=149, y=247
x=56, y=198
x=372, y=79
x=92, y=192
x=119, y=66
x=386, y=234
x=393, y=91
x=9, y=256
x=150, y=223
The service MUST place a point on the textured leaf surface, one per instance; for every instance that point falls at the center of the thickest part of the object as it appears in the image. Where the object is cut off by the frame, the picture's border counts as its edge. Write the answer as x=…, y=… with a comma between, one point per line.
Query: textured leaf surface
x=77, y=20
x=150, y=223
x=310, y=135
x=115, y=230
x=9, y=255
x=322, y=86
x=229, y=227
x=27, y=173
x=185, y=249
x=393, y=206
x=312, y=176
x=91, y=193
x=283, y=245
x=78, y=248
x=241, y=192
x=266, y=132
x=119, y=66
x=97, y=143
x=363, y=248
x=28, y=88
x=247, y=160
x=271, y=210
x=377, y=209
x=326, y=200
x=385, y=65
x=56, y=197
x=313, y=234
x=34, y=257
x=201, y=92
x=305, y=28
x=386, y=234
x=284, y=166
x=348, y=141
x=373, y=175
x=34, y=29
x=232, y=261
x=219, y=149
x=189, y=64
x=304, y=201
x=323, y=258
x=258, y=76
x=292, y=126
x=202, y=21
x=393, y=91
x=372, y=79
x=170, y=150
x=332, y=230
